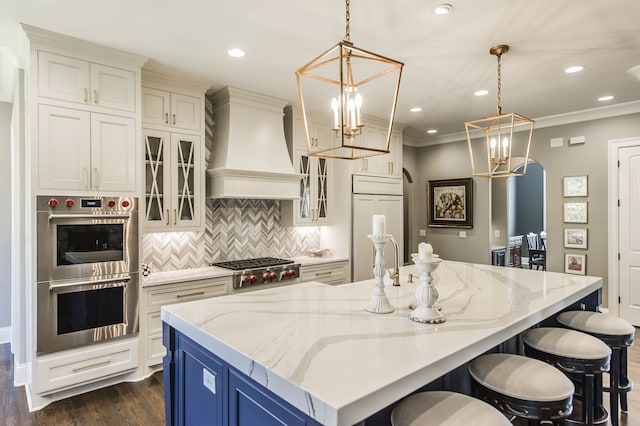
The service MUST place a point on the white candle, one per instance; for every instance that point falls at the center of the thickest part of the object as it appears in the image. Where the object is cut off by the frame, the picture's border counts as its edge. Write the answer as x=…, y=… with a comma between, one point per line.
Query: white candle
x=425, y=252
x=493, y=148
x=334, y=107
x=379, y=224
x=505, y=147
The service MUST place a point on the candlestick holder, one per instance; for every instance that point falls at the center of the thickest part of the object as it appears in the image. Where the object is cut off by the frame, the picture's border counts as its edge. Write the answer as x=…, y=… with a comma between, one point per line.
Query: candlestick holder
x=379, y=303
x=426, y=294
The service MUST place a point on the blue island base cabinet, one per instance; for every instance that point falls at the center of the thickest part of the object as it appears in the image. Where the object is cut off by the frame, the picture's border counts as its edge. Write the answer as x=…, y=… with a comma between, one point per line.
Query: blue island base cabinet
x=201, y=389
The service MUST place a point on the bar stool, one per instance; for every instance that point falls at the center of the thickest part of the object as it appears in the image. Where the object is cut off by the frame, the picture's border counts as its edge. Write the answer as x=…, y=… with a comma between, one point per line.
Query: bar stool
x=583, y=358
x=618, y=334
x=522, y=387
x=440, y=408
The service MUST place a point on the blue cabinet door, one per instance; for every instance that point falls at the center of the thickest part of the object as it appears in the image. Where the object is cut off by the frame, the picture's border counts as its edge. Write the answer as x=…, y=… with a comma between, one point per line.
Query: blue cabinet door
x=251, y=405
x=201, y=386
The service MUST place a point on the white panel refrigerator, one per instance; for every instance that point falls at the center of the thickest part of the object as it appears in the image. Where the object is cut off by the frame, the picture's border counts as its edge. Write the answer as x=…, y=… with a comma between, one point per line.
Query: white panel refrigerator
x=365, y=205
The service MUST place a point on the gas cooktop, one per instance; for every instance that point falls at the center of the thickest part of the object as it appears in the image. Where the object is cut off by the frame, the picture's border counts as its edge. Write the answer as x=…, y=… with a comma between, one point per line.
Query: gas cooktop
x=258, y=262
x=261, y=270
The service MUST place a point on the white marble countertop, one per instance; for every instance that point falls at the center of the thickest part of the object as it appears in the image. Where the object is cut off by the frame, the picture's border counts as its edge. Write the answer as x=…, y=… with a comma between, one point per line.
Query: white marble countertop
x=315, y=346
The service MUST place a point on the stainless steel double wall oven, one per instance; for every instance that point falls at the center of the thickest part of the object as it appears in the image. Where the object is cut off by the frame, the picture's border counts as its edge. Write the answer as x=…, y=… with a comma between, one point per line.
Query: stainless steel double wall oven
x=87, y=270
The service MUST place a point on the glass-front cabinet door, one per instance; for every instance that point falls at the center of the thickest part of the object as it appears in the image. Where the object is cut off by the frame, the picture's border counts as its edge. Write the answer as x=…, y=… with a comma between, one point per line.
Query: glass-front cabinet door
x=304, y=168
x=322, y=189
x=185, y=184
x=313, y=206
x=173, y=185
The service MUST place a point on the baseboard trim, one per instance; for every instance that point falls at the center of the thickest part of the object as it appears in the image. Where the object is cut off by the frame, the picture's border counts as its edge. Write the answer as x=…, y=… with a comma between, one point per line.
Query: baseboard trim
x=19, y=375
x=5, y=335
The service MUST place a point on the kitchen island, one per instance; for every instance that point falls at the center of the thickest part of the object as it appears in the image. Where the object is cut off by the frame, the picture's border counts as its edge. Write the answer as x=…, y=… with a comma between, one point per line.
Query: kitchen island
x=311, y=354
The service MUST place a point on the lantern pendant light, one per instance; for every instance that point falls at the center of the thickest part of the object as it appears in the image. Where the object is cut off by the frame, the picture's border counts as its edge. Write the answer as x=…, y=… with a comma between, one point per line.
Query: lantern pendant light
x=507, y=137
x=339, y=85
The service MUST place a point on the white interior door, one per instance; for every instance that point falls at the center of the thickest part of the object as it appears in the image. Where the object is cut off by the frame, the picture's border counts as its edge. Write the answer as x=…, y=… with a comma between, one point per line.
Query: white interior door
x=629, y=233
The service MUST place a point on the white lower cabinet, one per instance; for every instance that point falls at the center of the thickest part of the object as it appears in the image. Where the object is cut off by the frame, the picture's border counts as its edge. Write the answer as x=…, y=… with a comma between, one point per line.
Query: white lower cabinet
x=329, y=273
x=165, y=294
x=59, y=371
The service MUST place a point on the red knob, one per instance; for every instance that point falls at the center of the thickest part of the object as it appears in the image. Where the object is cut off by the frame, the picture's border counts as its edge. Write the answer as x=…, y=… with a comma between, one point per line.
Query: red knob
x=69, y=203
x=247, y=280
x=53, y=203
x=274, y=275
x=266, y=276
x=254, y=278
x=112, y=203
x=125, y=203
x=292, y=273
x=286, y=273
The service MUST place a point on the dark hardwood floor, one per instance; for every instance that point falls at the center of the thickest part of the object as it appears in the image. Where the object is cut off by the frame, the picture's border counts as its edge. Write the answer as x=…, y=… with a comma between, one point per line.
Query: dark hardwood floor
x=140, y=403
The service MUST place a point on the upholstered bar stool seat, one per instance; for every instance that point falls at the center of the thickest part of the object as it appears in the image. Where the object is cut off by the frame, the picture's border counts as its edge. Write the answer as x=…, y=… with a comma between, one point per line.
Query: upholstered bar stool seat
x=579, y=355
x=522, y=387
x=618, y=334
x=445, y=409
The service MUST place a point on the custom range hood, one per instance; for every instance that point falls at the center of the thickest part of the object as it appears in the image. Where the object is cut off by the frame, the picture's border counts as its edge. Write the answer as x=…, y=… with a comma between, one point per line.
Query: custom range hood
x=249, y=157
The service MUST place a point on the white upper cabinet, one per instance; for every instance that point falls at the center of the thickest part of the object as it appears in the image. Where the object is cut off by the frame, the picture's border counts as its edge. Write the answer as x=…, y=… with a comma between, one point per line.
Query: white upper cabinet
x=75, y=80
x=386, y=164
x=165, y=108
x=85, y=151
x=173, y=145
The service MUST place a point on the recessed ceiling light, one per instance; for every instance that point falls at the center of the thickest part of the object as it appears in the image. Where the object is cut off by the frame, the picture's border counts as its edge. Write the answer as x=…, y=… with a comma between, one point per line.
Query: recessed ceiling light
x=605, y=98
x=432, y=131
x=481, y=92
x=573, y=69
x=415, y=109
x=236, y=53
x=443, y=9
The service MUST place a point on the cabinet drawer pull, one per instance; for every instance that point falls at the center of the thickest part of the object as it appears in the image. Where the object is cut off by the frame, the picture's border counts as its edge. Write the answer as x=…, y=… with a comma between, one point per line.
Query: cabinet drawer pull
x=85, y=177
x=167, y=217
x=195, y=293
x=319, y=274
x=95, y=97
x=97, y=364
x=174, y=119
x=166, y=118
x=97, y=175
x=86, y=95
x=175, y=216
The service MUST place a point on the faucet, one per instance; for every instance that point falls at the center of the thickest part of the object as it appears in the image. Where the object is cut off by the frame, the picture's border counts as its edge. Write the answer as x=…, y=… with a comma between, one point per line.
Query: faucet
x=395, y=274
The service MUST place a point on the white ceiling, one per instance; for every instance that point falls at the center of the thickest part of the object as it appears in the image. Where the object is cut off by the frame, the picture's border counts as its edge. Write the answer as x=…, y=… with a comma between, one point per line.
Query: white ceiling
x=446, y=57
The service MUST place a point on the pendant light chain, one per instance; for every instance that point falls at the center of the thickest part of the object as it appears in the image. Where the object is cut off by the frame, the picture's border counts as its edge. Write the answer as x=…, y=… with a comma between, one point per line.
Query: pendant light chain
x=499, y=85
x=347, y=36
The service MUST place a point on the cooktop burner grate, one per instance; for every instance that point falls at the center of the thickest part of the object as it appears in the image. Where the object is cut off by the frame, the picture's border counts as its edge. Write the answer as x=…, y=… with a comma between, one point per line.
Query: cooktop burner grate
x=259, y=262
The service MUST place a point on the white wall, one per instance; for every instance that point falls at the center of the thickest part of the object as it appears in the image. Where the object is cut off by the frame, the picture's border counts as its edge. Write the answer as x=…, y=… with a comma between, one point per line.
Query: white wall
x=5, y=223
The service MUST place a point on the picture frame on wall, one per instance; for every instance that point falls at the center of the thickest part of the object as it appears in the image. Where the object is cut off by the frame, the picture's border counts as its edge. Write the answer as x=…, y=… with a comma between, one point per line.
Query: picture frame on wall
x=575, y=238
x=575, y=186
x=575, y=264
x=575, y=212
x=450, y=203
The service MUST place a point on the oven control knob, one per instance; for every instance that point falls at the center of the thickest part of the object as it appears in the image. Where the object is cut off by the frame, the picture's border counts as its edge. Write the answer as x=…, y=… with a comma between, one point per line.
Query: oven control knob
x=53, y=203
x=246, y=280
x=285, y=274
x=266, y=277
x=274, y=276
x=292, y=273
x=253, y=278
x=111, y=203
x=69, y=203
x=125, y=203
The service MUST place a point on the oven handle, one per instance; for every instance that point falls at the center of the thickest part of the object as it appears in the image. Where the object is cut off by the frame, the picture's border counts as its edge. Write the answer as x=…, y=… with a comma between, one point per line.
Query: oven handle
x=89, y=216
x=121, y=283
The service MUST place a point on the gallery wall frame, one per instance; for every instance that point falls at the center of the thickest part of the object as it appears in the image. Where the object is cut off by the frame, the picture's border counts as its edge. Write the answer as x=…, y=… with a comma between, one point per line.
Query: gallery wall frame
x=576, y=212
x=450, y=203
x=575, y=186
x=575, y=238
x=575, y=263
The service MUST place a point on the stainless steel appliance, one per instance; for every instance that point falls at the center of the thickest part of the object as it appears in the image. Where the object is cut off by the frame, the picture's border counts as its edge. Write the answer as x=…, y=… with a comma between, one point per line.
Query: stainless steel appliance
x=258, y=272
x=87, y=270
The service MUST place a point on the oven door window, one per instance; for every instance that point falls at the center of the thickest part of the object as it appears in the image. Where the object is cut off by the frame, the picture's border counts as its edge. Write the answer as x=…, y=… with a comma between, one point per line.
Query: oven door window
x=91, y=243
x=84, y=310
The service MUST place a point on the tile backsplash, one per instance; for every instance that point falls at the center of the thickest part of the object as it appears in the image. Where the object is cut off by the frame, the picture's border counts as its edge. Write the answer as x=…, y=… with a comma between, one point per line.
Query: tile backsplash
x=234, y=229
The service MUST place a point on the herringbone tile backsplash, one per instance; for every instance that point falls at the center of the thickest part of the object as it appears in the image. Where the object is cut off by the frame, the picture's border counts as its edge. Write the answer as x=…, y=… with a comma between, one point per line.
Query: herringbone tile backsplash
x=234, y=229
